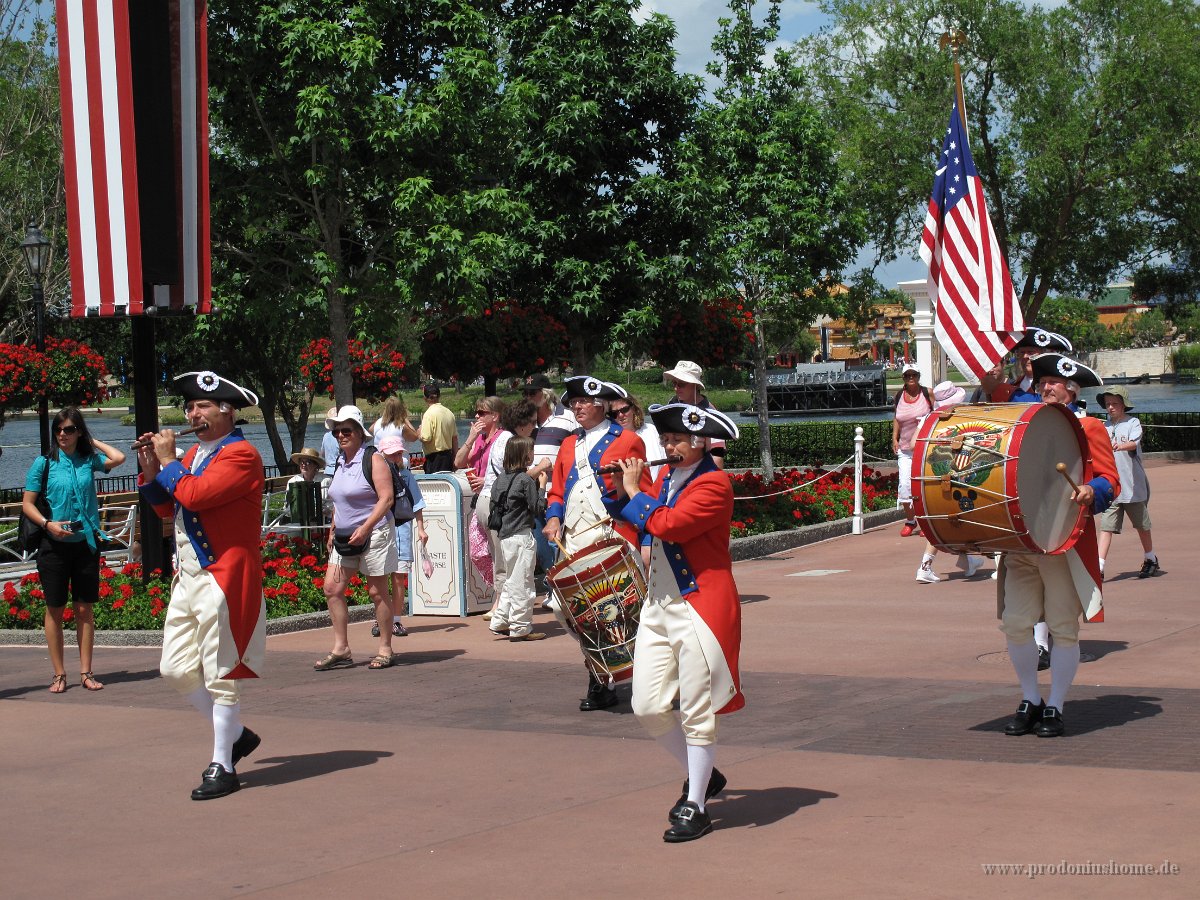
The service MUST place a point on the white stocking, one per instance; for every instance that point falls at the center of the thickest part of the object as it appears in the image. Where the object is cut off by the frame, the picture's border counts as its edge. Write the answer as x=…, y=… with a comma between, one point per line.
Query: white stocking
x=1064, y=661
x=1025, y=661
x=202, y=700
x=1041, y=634
x=674, y=744
x=227, y=728
x=701, y=758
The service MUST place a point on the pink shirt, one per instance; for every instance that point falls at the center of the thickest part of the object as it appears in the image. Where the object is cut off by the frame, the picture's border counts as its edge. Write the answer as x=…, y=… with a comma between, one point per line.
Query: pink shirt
x=910, y=411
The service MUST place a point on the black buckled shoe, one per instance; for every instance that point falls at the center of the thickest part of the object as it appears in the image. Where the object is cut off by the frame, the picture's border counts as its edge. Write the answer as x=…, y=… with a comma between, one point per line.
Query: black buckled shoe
x=246, y=744
x=1051, y=723
x=1027, y=718
x=217, y=782
x=692, y=822
x=716, y=784
x=599, y=696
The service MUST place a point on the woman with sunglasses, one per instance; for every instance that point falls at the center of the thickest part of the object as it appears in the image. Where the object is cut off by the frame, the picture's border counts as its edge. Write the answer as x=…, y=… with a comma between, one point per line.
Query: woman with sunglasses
x=362, y=539
x=628, y=413
x=474, y=456
x=68, y=560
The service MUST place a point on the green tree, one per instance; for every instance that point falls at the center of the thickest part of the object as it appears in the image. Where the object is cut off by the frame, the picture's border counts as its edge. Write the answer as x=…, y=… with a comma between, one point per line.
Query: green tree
x=346, y=138
x=1079, y=117
x=31, y=172
x=783, y=221
x=1075, y=319
x=596, y=160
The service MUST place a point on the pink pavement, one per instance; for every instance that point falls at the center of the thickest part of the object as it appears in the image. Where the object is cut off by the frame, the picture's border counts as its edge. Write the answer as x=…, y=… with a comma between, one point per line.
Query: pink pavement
x=869, y=760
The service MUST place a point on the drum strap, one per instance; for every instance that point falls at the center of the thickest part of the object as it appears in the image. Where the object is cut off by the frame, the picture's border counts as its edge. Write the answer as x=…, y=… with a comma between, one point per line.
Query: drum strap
x=584, y=505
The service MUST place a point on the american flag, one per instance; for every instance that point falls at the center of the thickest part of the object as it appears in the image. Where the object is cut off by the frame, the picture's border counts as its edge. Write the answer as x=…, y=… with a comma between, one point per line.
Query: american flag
x=978, y=319
x=133, y=86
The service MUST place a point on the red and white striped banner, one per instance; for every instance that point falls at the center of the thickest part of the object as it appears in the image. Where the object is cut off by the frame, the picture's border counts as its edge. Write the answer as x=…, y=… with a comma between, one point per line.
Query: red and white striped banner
x=111, y=253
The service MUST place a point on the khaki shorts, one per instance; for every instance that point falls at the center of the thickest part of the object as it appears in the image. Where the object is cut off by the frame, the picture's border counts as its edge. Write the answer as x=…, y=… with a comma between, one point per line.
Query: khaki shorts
x=381, y=558
x=1112, y=518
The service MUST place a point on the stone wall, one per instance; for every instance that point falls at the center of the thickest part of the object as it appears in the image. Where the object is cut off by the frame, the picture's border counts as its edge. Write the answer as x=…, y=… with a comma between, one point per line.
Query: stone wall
x=1147, y=361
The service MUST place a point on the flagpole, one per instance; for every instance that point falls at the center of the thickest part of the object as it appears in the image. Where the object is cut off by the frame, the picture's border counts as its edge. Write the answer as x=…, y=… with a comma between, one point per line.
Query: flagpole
x=954, y=39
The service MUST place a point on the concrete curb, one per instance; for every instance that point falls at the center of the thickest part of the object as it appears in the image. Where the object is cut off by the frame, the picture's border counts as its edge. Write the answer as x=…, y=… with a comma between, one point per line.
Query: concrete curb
x=760, y=545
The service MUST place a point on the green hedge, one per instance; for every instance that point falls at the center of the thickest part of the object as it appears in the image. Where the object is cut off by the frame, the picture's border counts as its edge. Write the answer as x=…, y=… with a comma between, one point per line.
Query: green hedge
x=1186, y=357
x=810, y=443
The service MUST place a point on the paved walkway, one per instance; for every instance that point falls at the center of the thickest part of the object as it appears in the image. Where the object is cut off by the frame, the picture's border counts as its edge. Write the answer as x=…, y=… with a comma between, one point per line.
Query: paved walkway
x=868, y=762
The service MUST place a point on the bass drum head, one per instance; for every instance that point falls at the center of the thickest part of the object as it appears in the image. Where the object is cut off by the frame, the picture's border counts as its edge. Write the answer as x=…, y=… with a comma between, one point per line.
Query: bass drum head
x=1052, y=436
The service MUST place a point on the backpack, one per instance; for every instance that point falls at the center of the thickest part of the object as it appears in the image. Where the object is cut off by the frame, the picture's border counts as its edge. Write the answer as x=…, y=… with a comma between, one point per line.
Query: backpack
x=402, y=505
x=496, y=511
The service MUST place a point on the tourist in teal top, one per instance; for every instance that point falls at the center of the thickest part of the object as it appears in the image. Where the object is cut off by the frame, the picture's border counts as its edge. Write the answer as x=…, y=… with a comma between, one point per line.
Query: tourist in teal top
x=68, y=559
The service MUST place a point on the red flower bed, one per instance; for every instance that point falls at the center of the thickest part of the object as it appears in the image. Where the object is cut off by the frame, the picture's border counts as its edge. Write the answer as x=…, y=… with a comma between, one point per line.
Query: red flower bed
x=825, y=500
x=378, y=371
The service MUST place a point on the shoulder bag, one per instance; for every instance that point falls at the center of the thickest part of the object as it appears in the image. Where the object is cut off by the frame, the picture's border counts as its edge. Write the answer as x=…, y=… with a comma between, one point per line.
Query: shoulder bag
x=29, y=533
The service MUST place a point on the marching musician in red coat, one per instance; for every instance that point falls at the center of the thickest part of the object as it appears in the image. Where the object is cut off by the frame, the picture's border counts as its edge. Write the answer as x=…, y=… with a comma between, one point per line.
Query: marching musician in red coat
x=581, y=506
x=215, y=631
x=1063, y=586
x=690, y=633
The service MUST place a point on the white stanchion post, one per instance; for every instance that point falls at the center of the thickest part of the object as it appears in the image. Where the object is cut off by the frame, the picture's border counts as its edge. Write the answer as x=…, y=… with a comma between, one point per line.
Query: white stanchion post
x=857, y=525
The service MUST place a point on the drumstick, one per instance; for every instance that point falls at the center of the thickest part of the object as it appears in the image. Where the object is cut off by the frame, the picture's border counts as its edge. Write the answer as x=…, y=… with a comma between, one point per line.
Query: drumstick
x=1062, y=470
x=139, y=445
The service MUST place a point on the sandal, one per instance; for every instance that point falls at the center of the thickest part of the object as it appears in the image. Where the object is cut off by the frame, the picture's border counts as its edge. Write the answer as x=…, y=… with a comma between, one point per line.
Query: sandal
x=334, y=661
x=88, y=680
x=59, y=684
x=398, y=630
x=374, y=628
x=382, y=662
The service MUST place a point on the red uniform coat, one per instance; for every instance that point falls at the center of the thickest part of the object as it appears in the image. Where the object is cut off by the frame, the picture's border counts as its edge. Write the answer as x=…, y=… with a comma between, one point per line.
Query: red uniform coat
x=1085, y=567
x=221, y=504
x=618, y=443
x=694, y=527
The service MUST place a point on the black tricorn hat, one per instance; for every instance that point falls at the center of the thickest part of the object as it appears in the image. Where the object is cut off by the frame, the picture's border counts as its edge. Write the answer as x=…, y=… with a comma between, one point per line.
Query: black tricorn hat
x=592, y=389
x=1055, y=365
x=208, y=385
x=1044, y=341
x=684, y=418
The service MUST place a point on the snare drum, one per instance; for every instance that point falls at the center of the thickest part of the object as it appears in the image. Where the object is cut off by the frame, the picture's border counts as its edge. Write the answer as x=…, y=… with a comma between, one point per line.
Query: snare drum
x=984, y=478
x=600, y=590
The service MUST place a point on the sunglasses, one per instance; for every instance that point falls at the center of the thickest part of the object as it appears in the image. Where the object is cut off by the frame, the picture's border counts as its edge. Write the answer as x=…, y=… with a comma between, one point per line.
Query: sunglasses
x=65, y=429
x=482, y=412
x=622, y=411
x=343, y=432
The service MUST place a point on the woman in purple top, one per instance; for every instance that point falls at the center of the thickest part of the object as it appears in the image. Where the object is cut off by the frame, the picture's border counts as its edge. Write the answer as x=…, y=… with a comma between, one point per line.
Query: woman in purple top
x=362, y=539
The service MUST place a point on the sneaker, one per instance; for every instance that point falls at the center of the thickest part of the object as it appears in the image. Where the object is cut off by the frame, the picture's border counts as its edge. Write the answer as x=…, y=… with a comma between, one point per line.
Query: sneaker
x=528, y=636
x=909, y=529
x=374, y=629
x=398, y=630
x=926, y=575
x=1149, y=567
x=974, y=564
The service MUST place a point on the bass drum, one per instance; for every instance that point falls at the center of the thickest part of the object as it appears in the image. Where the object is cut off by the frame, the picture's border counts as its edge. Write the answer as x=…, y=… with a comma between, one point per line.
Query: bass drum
x=599, y=592
x=984, y=478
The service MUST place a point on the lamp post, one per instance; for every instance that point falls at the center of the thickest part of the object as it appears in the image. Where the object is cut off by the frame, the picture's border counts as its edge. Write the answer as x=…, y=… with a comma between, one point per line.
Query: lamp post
x=36, y=249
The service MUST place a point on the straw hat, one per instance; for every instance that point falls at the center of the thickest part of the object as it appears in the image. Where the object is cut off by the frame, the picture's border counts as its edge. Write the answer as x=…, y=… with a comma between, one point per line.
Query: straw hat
x=309, y=455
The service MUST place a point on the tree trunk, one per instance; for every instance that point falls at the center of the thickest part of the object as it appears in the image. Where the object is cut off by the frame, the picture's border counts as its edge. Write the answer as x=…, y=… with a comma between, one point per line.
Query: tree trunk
x=489, y=384
x=339, y=352
x=760, y=397
x=267, y=405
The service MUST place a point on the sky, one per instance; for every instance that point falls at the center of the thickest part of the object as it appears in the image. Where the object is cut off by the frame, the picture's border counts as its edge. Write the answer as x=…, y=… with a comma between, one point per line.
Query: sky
x=696, y=24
